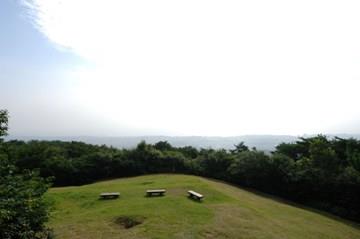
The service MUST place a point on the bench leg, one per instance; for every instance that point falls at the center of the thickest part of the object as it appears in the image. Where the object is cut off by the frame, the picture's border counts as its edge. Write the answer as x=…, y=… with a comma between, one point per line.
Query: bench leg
x=191, y=196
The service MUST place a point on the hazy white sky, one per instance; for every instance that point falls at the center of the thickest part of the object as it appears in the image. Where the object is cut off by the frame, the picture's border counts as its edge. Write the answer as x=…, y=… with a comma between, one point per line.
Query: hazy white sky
x=204, y=67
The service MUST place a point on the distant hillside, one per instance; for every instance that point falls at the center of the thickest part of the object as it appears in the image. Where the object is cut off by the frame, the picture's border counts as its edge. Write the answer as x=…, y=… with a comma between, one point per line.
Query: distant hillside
x=261, y=142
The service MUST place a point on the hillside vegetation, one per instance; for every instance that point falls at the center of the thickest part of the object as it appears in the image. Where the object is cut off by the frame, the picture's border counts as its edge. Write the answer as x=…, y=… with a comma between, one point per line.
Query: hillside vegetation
x=226, y=212
x=319, y=172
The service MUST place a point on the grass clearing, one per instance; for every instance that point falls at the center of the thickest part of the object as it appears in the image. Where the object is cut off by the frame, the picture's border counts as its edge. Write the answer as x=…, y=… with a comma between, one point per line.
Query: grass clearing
x=225, y=212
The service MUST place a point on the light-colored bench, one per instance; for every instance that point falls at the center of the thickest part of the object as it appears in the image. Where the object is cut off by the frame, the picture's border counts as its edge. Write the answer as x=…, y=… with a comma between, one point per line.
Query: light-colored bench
x=109, y=195
x=158, y=192
x=195, y=195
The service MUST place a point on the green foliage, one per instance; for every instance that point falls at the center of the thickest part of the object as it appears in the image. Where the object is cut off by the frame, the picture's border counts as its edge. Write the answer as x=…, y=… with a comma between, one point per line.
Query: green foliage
x=214, y=163
x=163, y=145
x=315, y=171
x=173, y=161
x=239, y=148
x=3, y=123
x=188, y=151
x=251, y=168
x=322, y=155
x=292, y=150
x=23, y=210
x=354, y=160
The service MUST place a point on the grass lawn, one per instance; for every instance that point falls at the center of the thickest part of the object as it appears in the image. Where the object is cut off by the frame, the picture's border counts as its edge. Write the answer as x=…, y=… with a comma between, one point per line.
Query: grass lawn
x=226, y=212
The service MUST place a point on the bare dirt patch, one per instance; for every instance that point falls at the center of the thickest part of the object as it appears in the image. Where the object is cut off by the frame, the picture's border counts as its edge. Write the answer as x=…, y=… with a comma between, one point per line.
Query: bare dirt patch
x=128, y=222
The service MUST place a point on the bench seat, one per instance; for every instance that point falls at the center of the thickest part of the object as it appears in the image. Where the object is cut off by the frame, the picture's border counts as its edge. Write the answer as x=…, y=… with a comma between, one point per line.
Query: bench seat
x=159, y=192
x=196, y=195
x=109, y=195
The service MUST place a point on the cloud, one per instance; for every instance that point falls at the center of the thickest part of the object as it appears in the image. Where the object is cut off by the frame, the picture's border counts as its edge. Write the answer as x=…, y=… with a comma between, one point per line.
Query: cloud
x=211, y=66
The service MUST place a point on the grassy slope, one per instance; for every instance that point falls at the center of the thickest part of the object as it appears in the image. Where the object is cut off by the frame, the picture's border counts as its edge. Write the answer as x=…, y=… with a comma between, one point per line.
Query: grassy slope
x=226, y=212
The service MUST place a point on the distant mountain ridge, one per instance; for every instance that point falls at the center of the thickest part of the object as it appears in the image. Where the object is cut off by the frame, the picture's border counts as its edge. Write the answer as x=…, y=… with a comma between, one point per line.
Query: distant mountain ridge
x=261, y=142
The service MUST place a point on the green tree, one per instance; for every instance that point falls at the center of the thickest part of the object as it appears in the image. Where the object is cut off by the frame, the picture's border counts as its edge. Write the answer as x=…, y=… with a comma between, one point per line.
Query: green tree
x=3, y=123
x=214, y=163
x=251, y=168
x=240, y=147
x=163, y=145
x=23, y=210
x=323, y=156
x=355, y=160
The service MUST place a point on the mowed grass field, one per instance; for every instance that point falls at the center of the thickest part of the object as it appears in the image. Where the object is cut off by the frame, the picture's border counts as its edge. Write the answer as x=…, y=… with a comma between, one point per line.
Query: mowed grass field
x=226, y=212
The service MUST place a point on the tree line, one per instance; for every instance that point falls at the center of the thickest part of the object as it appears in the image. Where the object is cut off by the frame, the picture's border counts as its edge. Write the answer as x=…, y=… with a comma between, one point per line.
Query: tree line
x=320, y=172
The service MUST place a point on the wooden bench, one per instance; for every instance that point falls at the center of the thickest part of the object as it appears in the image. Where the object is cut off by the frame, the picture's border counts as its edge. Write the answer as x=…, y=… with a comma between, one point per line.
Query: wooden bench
x=158, y=192
x=109, y=195
x=195, y=195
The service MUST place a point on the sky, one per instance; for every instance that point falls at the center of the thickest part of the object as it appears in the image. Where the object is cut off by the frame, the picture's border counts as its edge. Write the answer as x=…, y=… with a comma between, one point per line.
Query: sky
x=189, y=67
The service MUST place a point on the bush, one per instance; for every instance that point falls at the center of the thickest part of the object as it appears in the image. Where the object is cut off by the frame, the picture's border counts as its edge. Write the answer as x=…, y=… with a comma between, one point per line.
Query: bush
x=23, y=210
